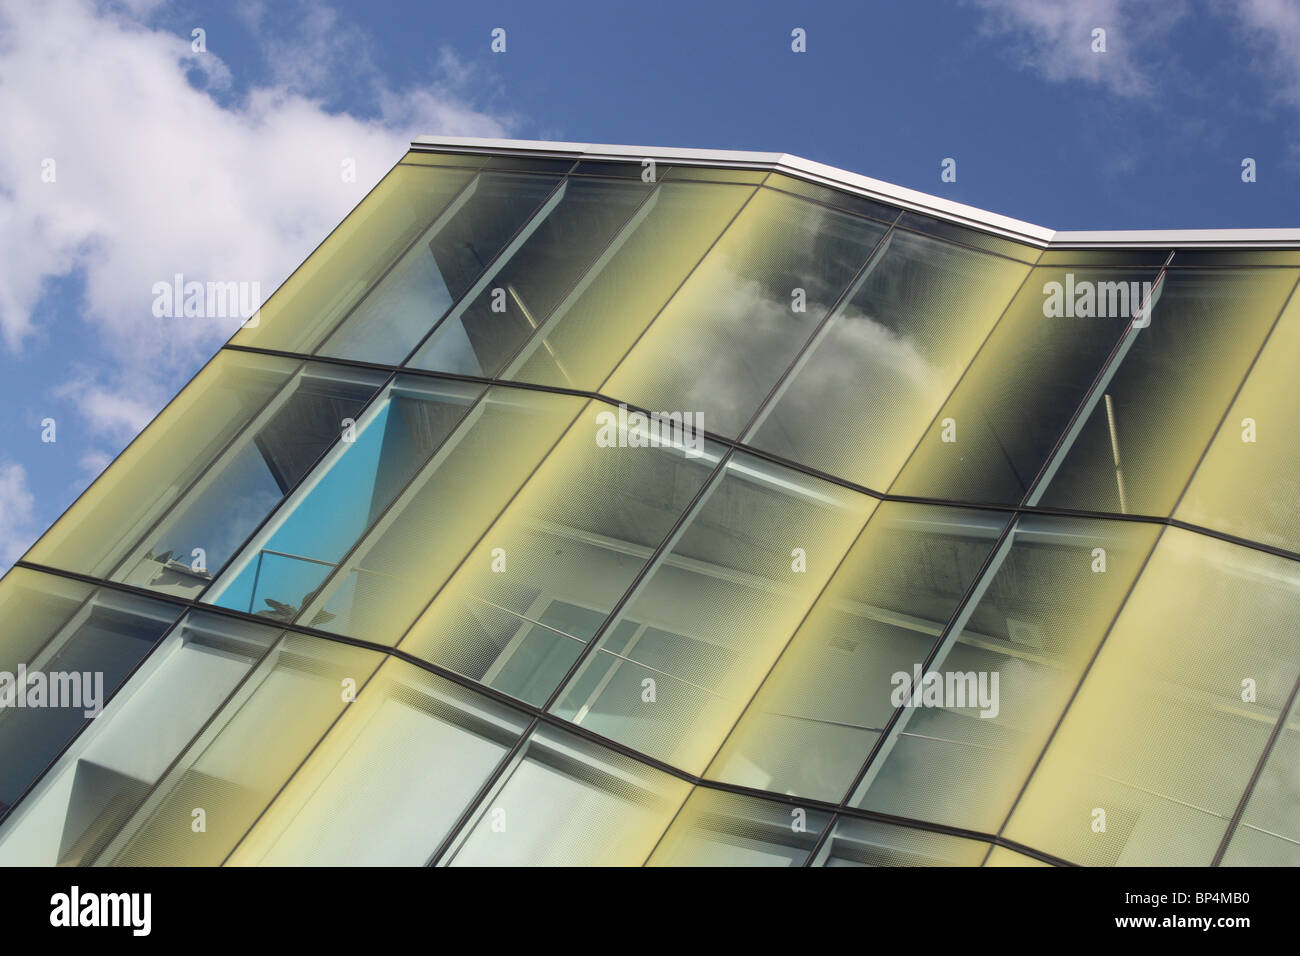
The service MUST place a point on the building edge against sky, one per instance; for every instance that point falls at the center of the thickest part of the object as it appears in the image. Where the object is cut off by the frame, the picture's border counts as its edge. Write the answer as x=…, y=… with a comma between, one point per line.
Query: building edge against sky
x=1053, y=470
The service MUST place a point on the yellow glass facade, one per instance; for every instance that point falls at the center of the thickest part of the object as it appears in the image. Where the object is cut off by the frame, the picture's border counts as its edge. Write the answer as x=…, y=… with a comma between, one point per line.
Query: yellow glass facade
x=562, y=511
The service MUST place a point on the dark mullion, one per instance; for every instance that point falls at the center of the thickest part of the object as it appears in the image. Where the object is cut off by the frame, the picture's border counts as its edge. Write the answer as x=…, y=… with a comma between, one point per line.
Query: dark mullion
x=1240, y=811
x=474, y=174
x=356, y=545
x=997, y=323
x=561, y=179
x=508, y=759
x=1083, y=677
x=347, y=706
x=380, y=390
x=821, y=840
x=503, y=366
x=564, y=431
x=651, y=564
x=180, y=616
x=1003, y=541
x=822, y=323
x=1110, y=366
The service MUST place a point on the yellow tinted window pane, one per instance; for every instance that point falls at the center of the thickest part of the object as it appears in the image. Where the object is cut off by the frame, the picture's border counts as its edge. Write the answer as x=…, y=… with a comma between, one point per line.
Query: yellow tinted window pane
x=389, y=780
x=567, y=802
x=64, y=648
x=156, y=469
x=408, y=553
x=1136, y=452
x=542, y=579
x=334, y=278
x=856, y=842
x=725, y=829
x=1247, y=484
x=601, y=318
x=97, y=783
x=817, y=715
x=236, y=767
x=243, y=485
x=962, y=748
x=998, y=429
x=295, y=554
x=1175, y=712
x=724, y=339
x=476, y=230
x=676, y=669
x=878, y=371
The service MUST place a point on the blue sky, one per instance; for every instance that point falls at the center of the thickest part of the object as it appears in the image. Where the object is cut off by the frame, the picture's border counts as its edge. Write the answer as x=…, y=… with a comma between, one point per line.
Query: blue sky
x=224, y=164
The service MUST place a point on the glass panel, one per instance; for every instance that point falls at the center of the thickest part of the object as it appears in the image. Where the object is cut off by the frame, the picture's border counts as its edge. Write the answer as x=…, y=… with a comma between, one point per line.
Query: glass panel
x=1109, y=258
x=1142, y=441
x=425, y=157
x=245, y=483
x=1248, y=483
x=567, y=802
x=814, y=720
x=442, y=264
x=389, y=780
x=1269, y=831
x=334, y=278
x=693, y=644
x=713, y=174
x=882, y=367
x=102, y=778
x=147, y=479
x=407, y=556
x=64, y=648
x=998, y=429
x=629, y=169
x=604, y=315
x=962, y=748
x=1236, y=257
x=208, y=798
x=723, y=340
x=725, y=829
x=856, y=842
x=1168, y=728
x=279, y=572
x=969, y=237
x=833, y=197
x=539, y=583
x=531, y=277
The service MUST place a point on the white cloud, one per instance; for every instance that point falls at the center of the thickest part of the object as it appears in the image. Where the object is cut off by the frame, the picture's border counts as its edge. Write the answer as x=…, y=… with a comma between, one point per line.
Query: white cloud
x=114, y=415
x=1274, y=26
x=17, y=514
x=154, y=176
x=1055, y=38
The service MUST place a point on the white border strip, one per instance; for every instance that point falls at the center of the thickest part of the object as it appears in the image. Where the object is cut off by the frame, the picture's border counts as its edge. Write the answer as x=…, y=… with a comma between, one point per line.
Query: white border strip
x=910, y=199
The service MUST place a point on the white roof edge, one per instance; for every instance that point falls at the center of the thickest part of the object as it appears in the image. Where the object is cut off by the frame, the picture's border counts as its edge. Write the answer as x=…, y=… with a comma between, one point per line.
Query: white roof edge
x=911, y=199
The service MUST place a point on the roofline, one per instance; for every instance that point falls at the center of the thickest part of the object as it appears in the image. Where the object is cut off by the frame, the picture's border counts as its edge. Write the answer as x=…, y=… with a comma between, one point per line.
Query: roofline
x=879, y=190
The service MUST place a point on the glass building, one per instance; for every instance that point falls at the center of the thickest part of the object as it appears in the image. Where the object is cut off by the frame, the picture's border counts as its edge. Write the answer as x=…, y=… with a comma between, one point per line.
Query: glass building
x=582, y=505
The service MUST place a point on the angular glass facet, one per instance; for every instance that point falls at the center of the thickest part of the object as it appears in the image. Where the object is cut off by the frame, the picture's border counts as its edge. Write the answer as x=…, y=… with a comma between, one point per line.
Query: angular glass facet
x=724, y=339
x=677, y=667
